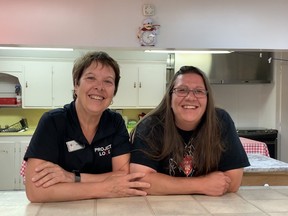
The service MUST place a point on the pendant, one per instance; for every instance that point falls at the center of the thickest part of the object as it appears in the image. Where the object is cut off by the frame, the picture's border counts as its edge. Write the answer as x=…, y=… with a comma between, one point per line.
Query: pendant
x=187, y=165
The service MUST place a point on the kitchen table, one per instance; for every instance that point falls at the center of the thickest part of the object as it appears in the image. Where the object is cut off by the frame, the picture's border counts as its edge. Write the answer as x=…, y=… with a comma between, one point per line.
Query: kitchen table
x=254, y=147
x=254, y=201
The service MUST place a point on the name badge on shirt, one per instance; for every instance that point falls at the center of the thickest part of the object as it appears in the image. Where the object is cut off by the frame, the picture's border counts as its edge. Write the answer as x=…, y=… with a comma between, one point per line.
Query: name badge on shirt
x=74, y=146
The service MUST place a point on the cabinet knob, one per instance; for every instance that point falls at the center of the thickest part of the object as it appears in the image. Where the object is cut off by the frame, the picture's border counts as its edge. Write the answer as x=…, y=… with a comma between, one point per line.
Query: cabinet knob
x=134, y=84
x=140, y=85
x=3, y=151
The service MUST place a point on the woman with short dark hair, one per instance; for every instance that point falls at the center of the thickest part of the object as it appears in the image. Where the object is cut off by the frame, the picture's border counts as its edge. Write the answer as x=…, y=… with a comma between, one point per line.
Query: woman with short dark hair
x=82, y=151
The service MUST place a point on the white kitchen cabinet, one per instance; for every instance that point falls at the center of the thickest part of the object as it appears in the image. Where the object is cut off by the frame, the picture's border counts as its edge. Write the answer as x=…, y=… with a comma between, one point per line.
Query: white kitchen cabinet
x=7, y=168
x=127, y=94
x=47, y=84
x=152, y=82
x=12, y=150
x=62, y=83
x=141, y=86
x=38, y=85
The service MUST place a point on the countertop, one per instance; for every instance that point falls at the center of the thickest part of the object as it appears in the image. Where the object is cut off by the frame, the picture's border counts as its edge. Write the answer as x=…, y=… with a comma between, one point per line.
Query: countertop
x=262, y=163
x=265, y=171
x=253, y=201
x=28, y=132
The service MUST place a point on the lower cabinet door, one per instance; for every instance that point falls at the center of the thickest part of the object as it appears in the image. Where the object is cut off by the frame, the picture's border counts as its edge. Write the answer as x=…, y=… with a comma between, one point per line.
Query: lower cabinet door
x=7, y=165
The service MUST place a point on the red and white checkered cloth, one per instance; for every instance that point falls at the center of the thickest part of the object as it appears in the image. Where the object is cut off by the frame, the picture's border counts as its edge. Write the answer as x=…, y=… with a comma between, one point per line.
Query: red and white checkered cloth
x=23, y=167
x=254, y=147
x=22, y=170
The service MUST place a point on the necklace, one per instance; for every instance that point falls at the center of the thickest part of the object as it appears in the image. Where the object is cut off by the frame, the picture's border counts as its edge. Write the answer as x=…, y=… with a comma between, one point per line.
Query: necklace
x=186, y=166
x=189, y=147
x=187, y=163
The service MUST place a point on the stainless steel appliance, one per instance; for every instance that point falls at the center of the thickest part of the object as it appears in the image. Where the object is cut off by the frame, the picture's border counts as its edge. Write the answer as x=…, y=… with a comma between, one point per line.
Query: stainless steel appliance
x=268, y=136
x=233, y=68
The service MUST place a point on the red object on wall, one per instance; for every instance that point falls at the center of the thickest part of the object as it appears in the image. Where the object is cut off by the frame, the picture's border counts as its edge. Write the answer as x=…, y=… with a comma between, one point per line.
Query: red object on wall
x=8, y=101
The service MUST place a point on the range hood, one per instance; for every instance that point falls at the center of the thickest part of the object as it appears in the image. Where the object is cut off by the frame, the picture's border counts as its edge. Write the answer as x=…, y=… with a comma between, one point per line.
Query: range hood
x=232, y=68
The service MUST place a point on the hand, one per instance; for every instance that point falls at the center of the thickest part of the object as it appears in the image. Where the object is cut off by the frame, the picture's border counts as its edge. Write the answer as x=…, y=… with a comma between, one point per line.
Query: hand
x=48, y=174
x=126, y=185
x=216, y=184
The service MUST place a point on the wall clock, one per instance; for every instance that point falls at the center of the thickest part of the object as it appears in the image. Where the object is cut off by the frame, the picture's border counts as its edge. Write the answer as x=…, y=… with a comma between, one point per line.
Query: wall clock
x=148, y=38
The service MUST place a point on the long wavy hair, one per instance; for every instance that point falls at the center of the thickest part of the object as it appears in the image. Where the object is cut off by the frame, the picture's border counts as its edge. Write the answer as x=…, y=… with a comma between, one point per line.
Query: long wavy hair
x=163, y=137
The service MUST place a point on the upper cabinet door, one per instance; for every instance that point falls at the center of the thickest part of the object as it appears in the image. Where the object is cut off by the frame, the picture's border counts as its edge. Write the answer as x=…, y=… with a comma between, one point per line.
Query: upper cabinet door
x=48, y=84
x=37, y=85
x=152, y=81
x=62, y=83
x=127, y=95
x=141, y=86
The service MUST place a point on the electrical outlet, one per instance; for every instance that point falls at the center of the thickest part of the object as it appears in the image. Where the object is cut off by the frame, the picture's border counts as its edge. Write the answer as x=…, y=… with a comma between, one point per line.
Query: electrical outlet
x=148, y=10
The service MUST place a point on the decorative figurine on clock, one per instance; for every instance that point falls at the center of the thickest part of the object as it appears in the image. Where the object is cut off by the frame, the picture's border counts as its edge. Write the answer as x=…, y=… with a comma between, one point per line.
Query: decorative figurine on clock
x=147, y=33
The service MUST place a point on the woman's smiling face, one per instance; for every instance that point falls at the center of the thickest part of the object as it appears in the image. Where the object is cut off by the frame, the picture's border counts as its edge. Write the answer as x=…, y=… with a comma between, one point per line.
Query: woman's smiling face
x=96, y=88
x=188, y=110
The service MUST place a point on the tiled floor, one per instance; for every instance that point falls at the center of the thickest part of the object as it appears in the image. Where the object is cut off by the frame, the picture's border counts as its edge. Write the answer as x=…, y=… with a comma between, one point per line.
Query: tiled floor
x=248, y=201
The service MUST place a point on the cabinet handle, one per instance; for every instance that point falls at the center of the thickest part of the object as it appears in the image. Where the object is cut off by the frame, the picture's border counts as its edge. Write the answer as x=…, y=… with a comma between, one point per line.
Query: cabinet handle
x=134, y=84
x=26, y=84
x=3, y=151
x=140, y=85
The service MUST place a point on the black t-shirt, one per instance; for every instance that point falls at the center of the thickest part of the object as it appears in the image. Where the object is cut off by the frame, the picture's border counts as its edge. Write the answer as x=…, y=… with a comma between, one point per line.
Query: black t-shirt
x=232, y=158
x=58, y=138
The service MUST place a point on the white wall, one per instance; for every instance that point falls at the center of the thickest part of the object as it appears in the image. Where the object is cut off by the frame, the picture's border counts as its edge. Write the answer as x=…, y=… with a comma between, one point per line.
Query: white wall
x=281, y=70
x=221, y=24
x=250, y=105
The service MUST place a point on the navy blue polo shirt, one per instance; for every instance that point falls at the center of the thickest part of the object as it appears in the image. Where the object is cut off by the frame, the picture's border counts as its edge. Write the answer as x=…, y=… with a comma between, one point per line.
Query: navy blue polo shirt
x=58, y=138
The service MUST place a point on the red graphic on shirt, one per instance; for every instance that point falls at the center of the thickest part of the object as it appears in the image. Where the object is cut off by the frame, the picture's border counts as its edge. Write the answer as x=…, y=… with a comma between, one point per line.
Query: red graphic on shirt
x=187, y=165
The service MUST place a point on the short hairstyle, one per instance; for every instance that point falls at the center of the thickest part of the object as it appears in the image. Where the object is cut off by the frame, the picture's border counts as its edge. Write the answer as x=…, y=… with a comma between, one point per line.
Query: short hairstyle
x=82, y=63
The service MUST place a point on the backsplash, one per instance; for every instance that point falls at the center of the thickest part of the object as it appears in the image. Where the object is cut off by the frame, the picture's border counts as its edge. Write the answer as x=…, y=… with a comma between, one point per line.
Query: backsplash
x=133, y=114
x=9, y=116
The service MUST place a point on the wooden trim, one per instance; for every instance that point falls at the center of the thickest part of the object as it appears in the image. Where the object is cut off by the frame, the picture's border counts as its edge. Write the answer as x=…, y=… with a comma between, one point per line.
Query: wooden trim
x=262, y=178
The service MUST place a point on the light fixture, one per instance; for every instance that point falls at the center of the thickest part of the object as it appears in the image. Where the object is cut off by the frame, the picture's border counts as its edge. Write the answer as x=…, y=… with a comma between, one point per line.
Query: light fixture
x=190, y=51
x=37, y=49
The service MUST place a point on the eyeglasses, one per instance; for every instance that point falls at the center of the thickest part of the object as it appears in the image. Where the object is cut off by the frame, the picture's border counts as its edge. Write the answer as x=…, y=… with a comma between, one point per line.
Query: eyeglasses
x=184, y=91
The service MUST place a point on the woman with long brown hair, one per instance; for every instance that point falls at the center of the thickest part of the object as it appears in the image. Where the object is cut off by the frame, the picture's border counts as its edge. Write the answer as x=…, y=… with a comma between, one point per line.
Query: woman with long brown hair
x=186, y=145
